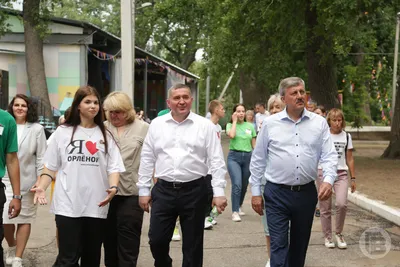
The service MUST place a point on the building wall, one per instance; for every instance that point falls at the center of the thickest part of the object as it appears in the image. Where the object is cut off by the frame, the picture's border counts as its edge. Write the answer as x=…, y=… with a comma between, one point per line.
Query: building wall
x=64, y=71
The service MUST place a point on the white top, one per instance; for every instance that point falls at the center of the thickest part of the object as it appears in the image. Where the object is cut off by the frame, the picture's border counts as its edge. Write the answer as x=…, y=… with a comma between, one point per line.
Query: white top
x=340, y=143
x=83, y=168
x=259, y=119
x=218, y=130
x=287, y=152
x=179, y=152
x=20, y=131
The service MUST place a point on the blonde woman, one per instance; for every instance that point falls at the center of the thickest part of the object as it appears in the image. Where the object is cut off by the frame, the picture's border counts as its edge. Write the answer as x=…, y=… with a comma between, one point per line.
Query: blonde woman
x=344, y=148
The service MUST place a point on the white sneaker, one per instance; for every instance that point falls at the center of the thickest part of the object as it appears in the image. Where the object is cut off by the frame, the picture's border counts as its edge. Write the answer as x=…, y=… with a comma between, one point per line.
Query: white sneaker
x=176, y=236
x=268, y=264
x=236, y=217
x=10, y=255
x=213, y=222
x=340, y=241
x=17, y=262
x=241, y=213
x=207, y=224
x=329, y=243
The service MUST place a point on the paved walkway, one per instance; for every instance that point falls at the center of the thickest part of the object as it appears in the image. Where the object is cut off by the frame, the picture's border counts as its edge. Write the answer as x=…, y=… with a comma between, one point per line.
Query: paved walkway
x=241, y=244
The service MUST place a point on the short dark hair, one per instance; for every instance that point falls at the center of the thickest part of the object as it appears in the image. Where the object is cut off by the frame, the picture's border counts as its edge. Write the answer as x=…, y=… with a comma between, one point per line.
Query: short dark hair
x=31, y=115
x=260, y=104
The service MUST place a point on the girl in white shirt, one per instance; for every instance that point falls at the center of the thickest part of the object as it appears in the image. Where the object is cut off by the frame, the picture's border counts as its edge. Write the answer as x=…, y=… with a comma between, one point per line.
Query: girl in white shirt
x=344, y=148
x=88, y=162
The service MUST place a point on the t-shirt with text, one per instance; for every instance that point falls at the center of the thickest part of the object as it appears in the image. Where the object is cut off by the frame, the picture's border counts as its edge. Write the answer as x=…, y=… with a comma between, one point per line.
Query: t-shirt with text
x=340, y=141
x=83, y=168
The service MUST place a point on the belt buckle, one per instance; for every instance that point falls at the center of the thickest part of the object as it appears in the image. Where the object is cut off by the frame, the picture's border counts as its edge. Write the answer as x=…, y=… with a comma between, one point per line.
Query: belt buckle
x=295, y=188
x=176, y=185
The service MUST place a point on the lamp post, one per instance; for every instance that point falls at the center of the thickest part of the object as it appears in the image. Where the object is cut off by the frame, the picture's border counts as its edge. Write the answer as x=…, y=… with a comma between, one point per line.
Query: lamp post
x=128, y=46
x=396, y=53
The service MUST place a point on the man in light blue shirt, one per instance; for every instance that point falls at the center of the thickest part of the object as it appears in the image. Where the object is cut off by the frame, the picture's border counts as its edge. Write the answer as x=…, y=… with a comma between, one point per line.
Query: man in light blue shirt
x=288, y=149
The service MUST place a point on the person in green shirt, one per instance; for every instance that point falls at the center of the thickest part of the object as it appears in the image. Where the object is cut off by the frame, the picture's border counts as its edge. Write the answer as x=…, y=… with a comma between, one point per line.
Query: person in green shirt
x=9, y=158
x=242, y=141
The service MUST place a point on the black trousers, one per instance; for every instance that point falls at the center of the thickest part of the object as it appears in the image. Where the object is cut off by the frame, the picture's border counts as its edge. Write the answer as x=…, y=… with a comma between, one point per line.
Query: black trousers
x=2, y=202
x=210, y=195
x=283, y=205
x=79, y=238
x=187, y=201
x=124, y=227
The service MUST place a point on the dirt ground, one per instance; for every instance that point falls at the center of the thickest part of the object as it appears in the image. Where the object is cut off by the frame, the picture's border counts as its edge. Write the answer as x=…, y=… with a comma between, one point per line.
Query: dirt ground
x=377, y=178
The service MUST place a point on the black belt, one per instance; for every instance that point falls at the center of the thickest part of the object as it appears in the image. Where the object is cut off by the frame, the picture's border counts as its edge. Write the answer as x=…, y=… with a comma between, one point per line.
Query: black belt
x=178, y=185
x=296, y=188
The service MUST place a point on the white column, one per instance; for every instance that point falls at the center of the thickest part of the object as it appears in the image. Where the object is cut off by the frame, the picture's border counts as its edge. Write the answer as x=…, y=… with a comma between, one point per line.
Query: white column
x=128, y=47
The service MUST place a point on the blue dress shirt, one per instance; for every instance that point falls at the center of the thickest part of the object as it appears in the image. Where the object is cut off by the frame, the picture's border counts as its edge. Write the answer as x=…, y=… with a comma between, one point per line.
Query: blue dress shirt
x=287, y=152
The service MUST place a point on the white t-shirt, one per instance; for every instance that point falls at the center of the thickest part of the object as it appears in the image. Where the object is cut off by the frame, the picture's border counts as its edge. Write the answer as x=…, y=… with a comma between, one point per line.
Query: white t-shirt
x=259, y=119
x=218, y=130
x=340, y=144
x=83, y=168
x=20, y=130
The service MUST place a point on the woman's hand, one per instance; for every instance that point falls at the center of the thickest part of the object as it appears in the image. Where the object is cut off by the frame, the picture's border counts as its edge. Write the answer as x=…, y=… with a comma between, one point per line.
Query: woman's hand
x=353, y=186
x=111, y=193
x=40, y=196
x=234, y=117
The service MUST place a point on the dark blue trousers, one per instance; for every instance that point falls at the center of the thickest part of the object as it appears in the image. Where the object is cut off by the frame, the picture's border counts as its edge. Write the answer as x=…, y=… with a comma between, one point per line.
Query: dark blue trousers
x=283, y=206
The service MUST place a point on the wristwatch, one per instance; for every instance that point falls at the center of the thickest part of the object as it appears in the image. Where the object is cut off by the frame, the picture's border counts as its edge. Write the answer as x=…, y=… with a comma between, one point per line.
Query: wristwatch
x=116, y=187
x=17, y=197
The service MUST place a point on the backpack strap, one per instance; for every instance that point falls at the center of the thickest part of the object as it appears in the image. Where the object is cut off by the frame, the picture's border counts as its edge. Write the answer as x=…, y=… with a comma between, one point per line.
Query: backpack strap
x=347, y=143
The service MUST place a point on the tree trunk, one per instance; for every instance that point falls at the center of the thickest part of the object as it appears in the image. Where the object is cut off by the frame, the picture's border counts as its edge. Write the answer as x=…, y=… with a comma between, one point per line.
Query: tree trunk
x=253, y=91
x=393, y=150
x=320, y=64
x=34, y=55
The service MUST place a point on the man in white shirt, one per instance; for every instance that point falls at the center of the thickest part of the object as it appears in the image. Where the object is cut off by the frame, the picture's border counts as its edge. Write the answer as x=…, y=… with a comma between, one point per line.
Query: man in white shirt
x=288, y=149
x=262, y=113
x=180, y=144
x=217, y=112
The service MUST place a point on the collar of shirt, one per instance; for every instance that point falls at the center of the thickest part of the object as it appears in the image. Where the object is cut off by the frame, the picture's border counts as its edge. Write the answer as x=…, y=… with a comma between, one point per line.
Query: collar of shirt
x=305, y=115
x=169, y=117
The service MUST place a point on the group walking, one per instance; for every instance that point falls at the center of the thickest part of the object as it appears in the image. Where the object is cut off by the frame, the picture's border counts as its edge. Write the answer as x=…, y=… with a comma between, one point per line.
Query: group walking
x=108, y=165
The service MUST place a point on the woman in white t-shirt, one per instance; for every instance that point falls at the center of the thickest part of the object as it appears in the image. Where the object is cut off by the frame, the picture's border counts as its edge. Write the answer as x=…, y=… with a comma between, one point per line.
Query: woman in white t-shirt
x=344, y=148
x=88, y=162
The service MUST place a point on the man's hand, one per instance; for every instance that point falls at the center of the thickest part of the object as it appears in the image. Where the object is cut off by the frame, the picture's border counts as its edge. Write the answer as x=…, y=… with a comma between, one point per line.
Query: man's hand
x=14, y=208
x=145, y=203
x=325, y=191
x=220, y=203
x=257, y=203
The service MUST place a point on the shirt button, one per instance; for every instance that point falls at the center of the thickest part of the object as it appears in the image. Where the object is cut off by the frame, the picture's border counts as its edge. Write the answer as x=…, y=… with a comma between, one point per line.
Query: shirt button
x=297, y=155
x=297, y=178
x=297, y=134
x=297, y=167
x=297, y=144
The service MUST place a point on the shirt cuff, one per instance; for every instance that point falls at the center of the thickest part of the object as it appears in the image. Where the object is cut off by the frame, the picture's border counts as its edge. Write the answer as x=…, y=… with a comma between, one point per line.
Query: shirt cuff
x=256, y=190
x=330, y=179
x=144, y=192
x=219, y=191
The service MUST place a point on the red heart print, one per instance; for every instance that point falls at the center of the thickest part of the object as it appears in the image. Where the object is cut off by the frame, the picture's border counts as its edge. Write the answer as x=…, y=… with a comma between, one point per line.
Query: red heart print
x=91, y=147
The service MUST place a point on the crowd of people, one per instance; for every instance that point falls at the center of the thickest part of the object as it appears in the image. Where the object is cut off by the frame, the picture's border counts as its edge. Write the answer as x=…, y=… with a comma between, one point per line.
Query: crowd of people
x=108, y=164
